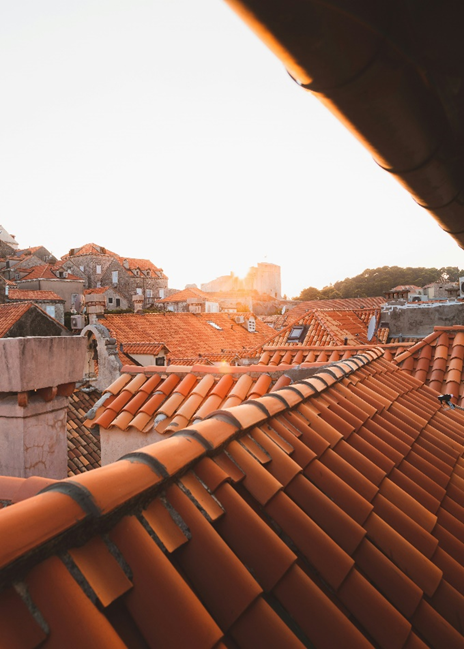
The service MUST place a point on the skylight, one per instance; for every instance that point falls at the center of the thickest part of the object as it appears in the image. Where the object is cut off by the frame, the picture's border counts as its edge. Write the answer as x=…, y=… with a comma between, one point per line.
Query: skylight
x=297, y=334
x=213, y=324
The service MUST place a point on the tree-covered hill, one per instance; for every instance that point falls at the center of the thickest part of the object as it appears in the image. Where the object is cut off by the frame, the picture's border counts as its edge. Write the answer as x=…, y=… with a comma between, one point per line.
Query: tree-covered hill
x=376, y=281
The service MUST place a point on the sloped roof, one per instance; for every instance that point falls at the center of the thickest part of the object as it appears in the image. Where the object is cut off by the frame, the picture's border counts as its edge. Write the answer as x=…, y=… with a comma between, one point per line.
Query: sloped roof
x=46, y=271
x=326, y=514
x=89, y=249
x=171, y=398
x=10, y=314
x=33, y=296
x=405, y=287
x=186, y=334
x=168, y=398
x=187, y=293
x=141, y=264
x=151, y=348
x=356, y=303
x=437, y=360
x=306, y=355
x=94, y=249
x=329, y=327
x=7, y=238
x=98, y=290
x=84, y=451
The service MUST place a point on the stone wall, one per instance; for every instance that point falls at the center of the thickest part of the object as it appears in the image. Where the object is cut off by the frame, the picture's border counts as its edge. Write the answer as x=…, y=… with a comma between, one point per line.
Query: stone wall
x=127, y=283
x=420, y=320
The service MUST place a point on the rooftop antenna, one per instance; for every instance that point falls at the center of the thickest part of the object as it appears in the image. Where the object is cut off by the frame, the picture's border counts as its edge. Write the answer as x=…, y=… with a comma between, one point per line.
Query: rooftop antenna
x=371, y=328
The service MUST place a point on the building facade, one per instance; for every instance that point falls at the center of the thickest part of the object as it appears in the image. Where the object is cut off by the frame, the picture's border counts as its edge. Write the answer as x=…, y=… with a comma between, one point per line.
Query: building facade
x=99, y=267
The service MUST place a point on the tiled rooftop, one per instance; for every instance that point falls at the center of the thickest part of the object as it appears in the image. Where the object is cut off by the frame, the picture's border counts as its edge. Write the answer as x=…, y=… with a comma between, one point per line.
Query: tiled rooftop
x=328, y=328
x=169, y=399
x=186, y=294
x=328, y=514
x=47, y=271
x=187, y=335
x=306, y=355
x=33, y=296
x=84, y=451
x=405, y=287
x=94, y=249
x=97, y=291
x=89, y=249
x=142, y=264
x=10, y=314
x=354, y=303
x=437, y=360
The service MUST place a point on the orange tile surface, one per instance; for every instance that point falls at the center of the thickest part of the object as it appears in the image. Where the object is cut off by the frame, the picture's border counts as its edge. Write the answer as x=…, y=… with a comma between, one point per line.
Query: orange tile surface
x=170, y=399
x=189, y=337
x=335, y=520
x=10, y=314
x=437, y=360
x=84, y=451
x=47, y=271
x=17, y=295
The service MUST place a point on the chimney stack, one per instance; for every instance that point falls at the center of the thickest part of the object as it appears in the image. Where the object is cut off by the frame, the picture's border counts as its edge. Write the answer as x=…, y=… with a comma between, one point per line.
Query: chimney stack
x=38, y=375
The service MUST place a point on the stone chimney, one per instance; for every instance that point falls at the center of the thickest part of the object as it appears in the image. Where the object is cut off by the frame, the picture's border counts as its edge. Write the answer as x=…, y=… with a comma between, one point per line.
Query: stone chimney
x=138, y=301
x=95, y=305
x=38, y=375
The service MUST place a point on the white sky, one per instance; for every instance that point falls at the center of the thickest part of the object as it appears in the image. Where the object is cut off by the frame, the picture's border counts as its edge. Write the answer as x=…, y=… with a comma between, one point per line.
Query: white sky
x=164, y=129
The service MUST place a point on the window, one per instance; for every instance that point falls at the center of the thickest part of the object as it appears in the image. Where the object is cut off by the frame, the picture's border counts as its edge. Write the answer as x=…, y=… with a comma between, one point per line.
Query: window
x=118, y=302
x=114, y=276
x=82, y=268
x=161, y=293
x=99, y=284
x=297, y=334
x=139, y=291
x=159, y=360
x=50, y=309
x=149, y=292
x=110, y=300
x=98, y=269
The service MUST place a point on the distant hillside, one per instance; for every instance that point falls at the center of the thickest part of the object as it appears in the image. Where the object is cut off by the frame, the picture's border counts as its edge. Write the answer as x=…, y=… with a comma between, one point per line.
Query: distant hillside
x=374, y=282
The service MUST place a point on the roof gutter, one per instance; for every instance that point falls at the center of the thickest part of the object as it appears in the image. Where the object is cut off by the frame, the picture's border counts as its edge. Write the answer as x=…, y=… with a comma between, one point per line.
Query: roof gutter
x=362, y=60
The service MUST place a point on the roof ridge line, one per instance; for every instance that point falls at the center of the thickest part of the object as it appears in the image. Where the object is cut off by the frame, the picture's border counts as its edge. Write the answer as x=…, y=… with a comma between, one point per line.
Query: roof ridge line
x=181, y=450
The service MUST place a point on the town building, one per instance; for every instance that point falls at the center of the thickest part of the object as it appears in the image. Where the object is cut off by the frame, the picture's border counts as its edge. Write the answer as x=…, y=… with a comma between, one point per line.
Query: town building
x=263, y=278
x=190, y=300
x=55, y=278
x=22, y=319
x=99, y=267
x=7, y=238
x=113, y=299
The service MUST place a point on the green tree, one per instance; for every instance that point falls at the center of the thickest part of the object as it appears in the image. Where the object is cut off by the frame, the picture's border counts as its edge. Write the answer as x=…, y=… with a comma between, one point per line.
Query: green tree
x=309, y=293
x=374, y=282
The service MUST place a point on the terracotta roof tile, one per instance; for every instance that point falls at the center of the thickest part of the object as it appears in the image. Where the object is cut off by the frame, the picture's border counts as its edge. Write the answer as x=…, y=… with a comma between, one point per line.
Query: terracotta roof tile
x=84, y=451
x=48, y=271
x=189, y=337
x=264, y=528
x=18, y=295
x=186, y=294
x=10, y=314
x=350, y=304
